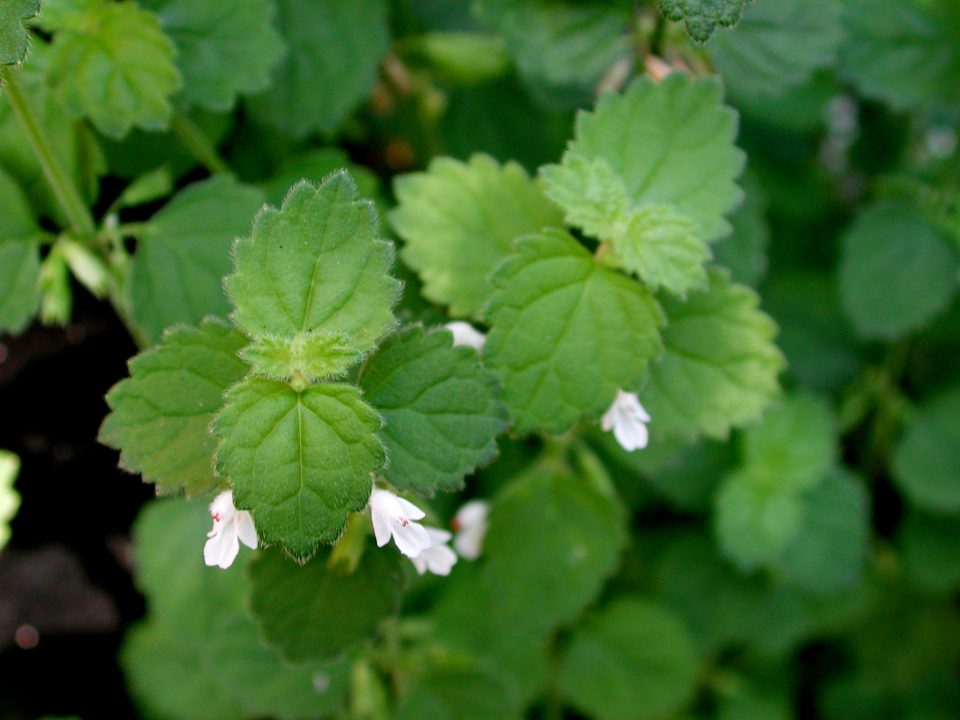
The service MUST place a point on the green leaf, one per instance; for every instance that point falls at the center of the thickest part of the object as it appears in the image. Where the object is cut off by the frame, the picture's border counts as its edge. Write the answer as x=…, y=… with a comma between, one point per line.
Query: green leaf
x=459, y=221
x=567, y=332
x=654, y=242
x=111, y=62
x=299, y=461
x=579, y=532
x=926, y=461
x=13, y=34
x=903, y=52
x=778, y=45
x=198, y=656
x=333, y=48
x=224, y=47
x=563, y=49
x=703, y=17
x=440, y=408
x=634, y=660
x=719, y=367
x=177, y=273
x=744, y=251
x=755, y=521
x=314, y=612
x=9, y=498
x=19, y=259
x=794, y=444
x=828, y=554
x=751, y=705
x=315, y=264
x=930, y=550
x=315, y=165
x=308, y=357
x=679, y=148
x=897, y=271
x=160, y=414
x=453, y=691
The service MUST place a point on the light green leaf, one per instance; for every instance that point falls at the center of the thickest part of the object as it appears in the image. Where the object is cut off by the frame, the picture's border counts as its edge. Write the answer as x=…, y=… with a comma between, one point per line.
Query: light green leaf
x=441, y=409
x=703, y=17
x=9, y=498
x=333, y=48
x=462, y=58
x=828, y=554
x=904, y=53
x=755, y=521
x=563, y=49
x=177, y=273
x=19, y=259
x=778, y=45
x=579, y=531
x=160, y=414
x=13, y=34
x=308, y=357
x=224, y=47
x=897, y=271
x=654, y=242
x=315, y=165
x=634, y=660
x=459, y=221
x=670, y=143
x=314, y=612
x=719, y=367
x=112, y=63
x=794, y=444
x=315, y=264
x=567, y=332
x=299, y=461
x=926, y=461
x=930, y=550
x=198, y=656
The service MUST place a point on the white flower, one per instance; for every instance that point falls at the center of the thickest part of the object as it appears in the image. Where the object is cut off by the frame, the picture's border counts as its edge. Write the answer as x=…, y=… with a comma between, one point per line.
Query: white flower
x=627, y=418
x=394, y=516
x=438, y=558
x=466, y=334
x=470, y=524
x=230, y=528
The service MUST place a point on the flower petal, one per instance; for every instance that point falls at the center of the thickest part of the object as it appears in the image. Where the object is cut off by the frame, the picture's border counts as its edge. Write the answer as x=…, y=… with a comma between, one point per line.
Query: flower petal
x=245, y=529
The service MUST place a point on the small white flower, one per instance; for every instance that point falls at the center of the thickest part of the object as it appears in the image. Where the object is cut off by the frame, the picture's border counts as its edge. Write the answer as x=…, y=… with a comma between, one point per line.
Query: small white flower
x=230, y=528
x=470, y=524
x=394, y=517
x=438, y=558
x=627, y=418
x=466, y=334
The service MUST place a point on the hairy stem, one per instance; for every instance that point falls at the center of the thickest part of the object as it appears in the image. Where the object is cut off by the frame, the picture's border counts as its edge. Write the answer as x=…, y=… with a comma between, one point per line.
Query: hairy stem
x=79, y=217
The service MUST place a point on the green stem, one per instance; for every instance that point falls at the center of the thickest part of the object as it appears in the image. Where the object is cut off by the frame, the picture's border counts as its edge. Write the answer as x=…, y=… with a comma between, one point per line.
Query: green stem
x=79, y=217
x=199, y=145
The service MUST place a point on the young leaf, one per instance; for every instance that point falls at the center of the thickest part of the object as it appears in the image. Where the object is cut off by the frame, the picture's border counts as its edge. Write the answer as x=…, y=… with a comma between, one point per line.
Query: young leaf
x=177, y=273
x=779, y=44
x=299, y=461
x=160, y=414
x=459, y=221
x=224, y=47
x=333, y=48
x=13, y=35
x=112, y=63
x=656, y=243
x=703, y=17
x=926, y=462
x=634, y=660
x=440, y=408
x=567, y=333
x=579, y=533
x=19, y=259
x=315, y=264
x=199, y=655
x=314, y=612
x=897, y=271
x=670, y=143
x=719, y=367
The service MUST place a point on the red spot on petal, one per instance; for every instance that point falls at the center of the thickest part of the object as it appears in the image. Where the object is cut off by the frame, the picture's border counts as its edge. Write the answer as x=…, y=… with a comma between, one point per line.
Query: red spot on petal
x=404, y=521
x=216, y=517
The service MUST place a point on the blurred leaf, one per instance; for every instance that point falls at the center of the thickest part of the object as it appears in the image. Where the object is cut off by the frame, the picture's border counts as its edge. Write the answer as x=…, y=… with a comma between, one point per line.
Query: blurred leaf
x=333, y=48
x=897, y=271
x=448, y=692
x=744, y=251
x=315, y=165
x=633, y=660
x=19, y=259
x=930, y=550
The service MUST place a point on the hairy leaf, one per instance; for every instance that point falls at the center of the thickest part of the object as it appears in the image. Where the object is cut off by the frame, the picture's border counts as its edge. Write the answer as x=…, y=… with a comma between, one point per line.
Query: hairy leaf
x=19, y=259
x=13, y=35
x=703, y=17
